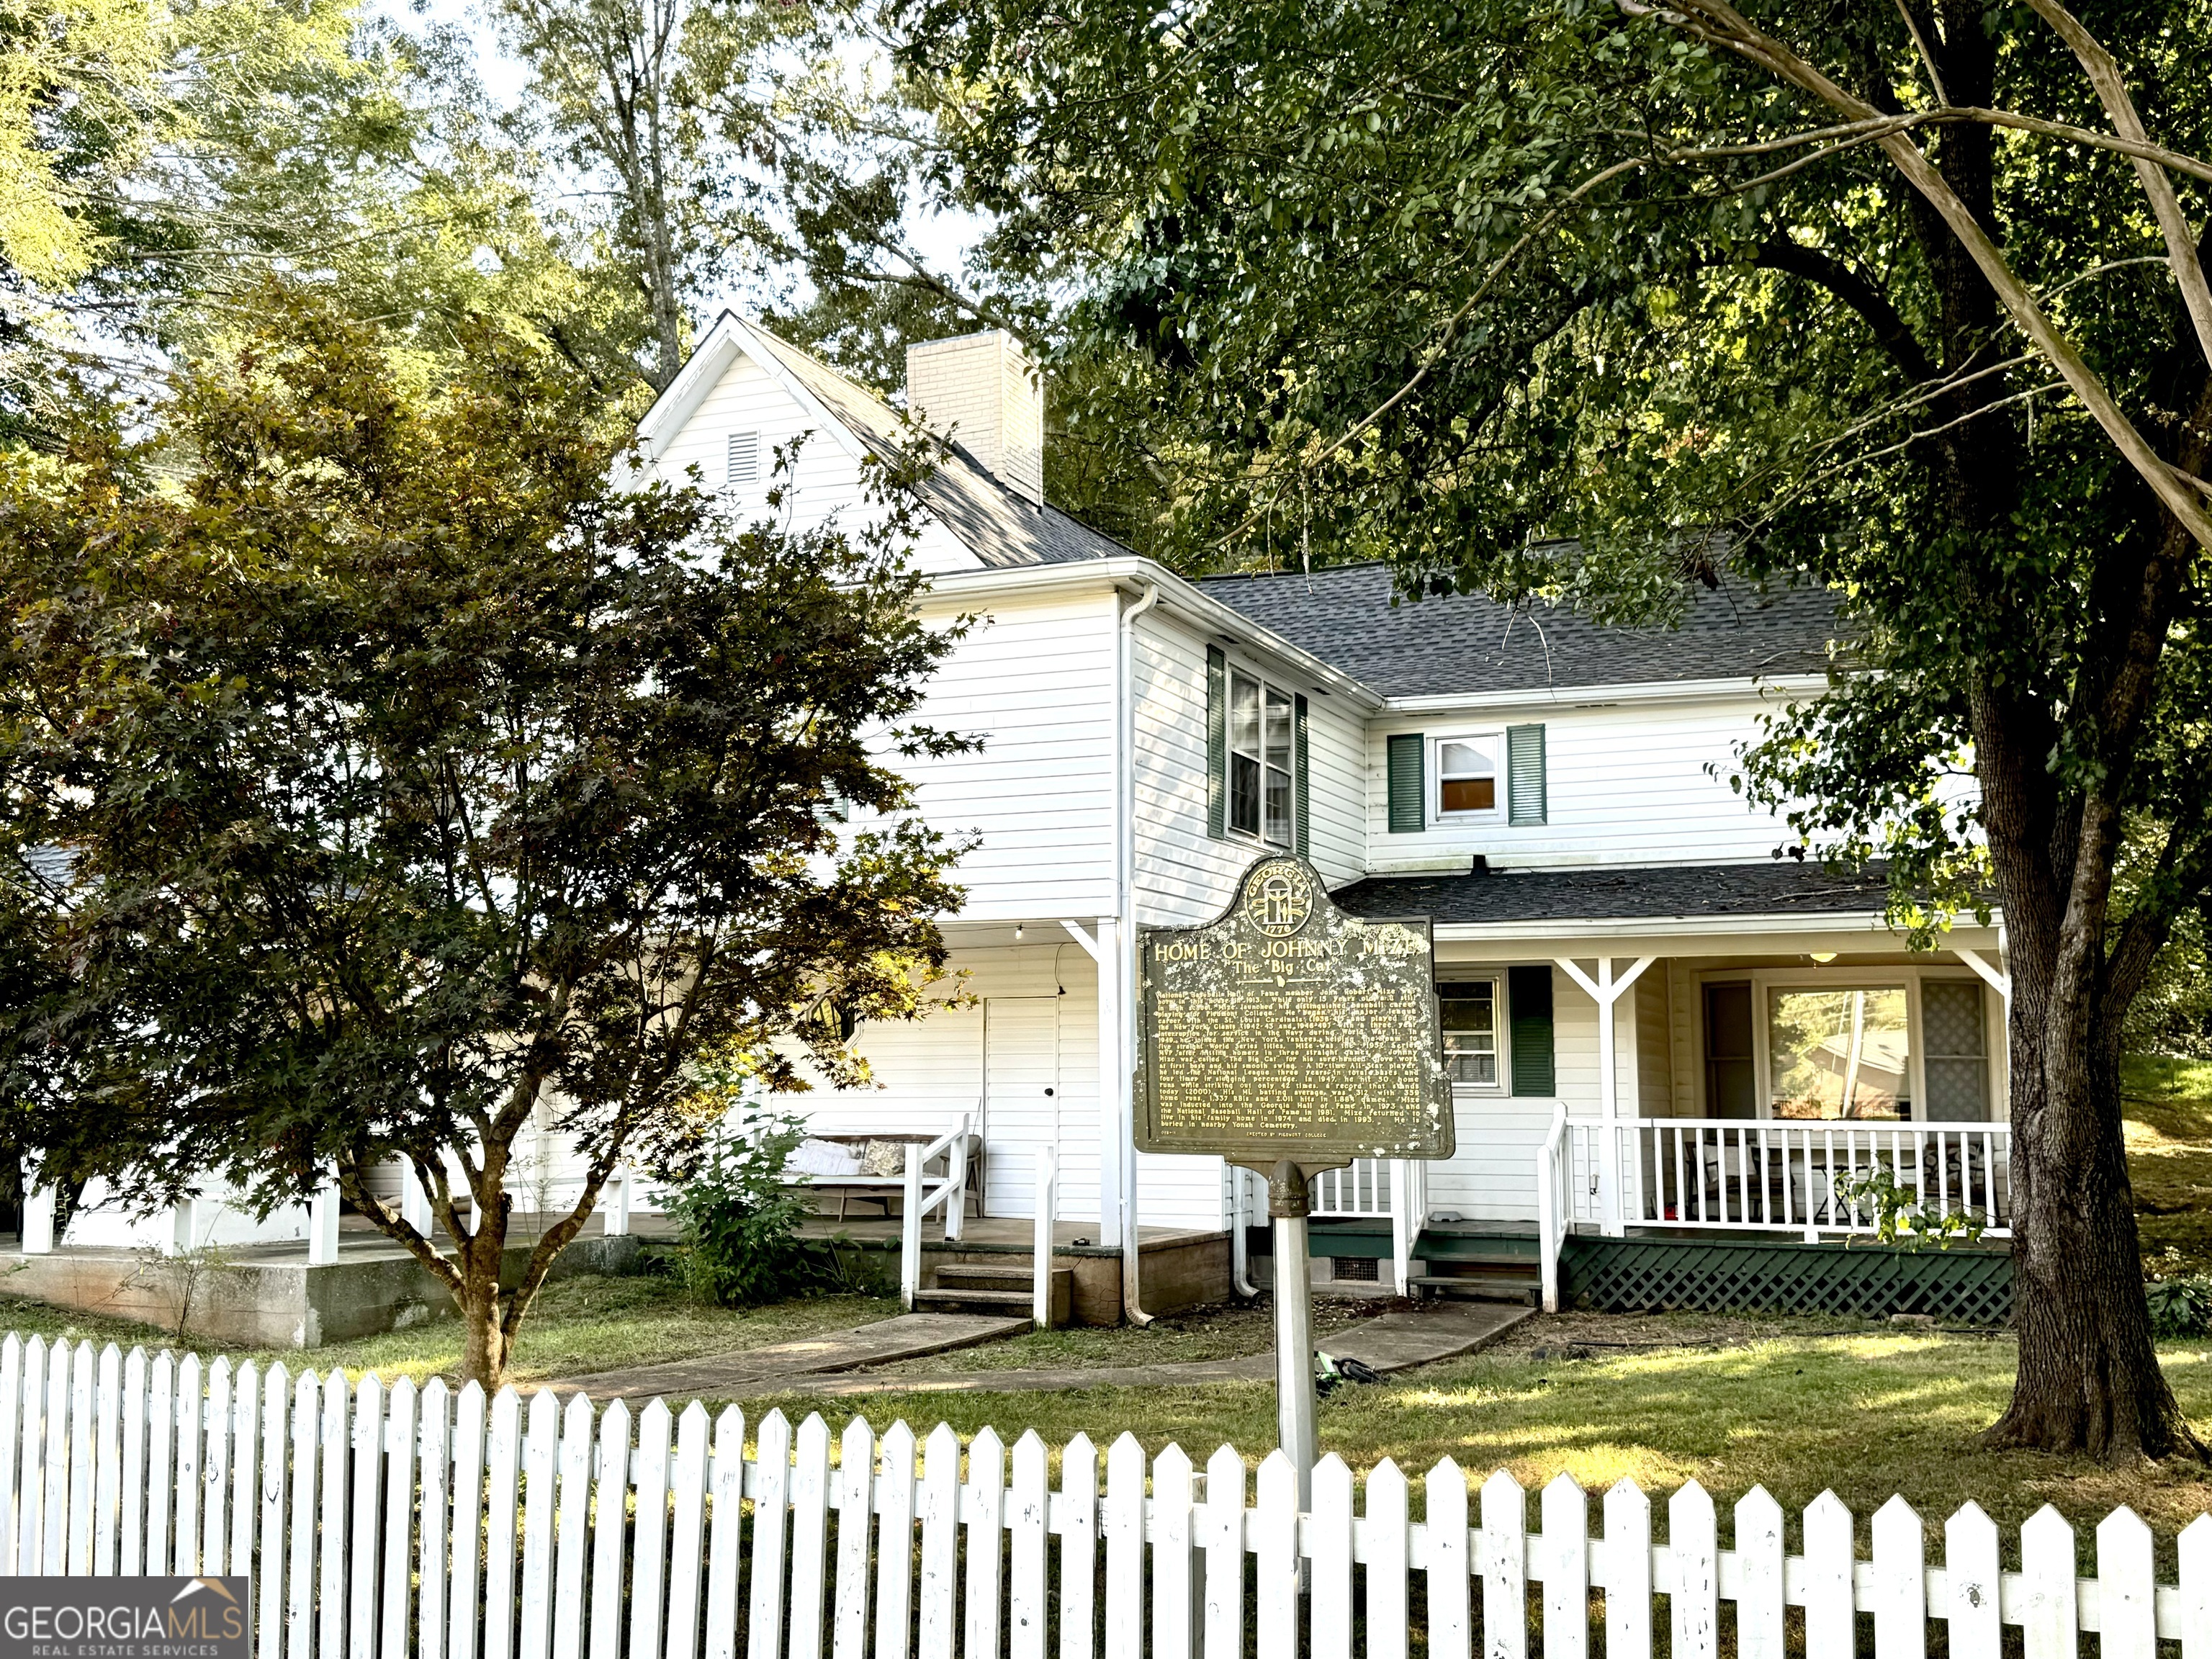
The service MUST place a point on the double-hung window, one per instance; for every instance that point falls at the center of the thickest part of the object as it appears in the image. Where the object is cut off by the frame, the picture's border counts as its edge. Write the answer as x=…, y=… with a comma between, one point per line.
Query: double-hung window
x=1469, y=1016
x=1467, y=777
x=1260, y=750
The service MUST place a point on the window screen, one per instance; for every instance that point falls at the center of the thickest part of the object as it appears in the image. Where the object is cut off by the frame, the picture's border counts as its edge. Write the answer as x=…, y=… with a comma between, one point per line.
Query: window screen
x=1958, y=1058
x=1469, y=1014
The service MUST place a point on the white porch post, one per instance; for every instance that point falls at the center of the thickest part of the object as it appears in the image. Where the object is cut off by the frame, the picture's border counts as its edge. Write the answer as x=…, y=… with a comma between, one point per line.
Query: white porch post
x=184, y=1216
x=323, y=1224
x=38, y=1221
x=1104, y=948
x=1607, y=992
x=414, y=1199
x=616, y=1201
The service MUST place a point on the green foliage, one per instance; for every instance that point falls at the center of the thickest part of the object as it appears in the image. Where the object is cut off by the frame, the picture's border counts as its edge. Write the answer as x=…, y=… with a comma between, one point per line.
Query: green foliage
x=740, y=1223
x=380, y=773
x=1900, y=1215
x=2180, y=1307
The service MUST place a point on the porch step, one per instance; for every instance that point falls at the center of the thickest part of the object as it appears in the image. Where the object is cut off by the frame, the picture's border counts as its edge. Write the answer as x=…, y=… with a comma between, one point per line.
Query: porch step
x=1473, y=1243
x=968, y=1287
x=1481, y=1287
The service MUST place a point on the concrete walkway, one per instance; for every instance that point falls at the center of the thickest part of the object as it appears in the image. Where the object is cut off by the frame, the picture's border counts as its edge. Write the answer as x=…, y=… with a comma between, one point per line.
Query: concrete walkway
x=1393, y=1342
x=775, y=1367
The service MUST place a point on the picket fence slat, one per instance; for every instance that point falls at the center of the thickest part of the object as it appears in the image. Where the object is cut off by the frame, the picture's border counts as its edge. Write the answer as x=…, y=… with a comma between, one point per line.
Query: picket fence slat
x=399, y=1522
x=1175, y=1582
x=856, y=1503
x=575, y=1458
x=896, y=1507
x=725, y=1541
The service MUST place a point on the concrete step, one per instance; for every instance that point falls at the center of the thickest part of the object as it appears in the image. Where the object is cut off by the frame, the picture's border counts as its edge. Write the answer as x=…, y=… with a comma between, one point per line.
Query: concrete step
x=1482, y=1287
x=966, y=1287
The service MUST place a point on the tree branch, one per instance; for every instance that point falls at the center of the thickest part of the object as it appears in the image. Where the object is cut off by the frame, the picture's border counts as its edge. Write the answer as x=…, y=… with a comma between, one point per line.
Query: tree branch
x=1722, y=25
x=1786, y=254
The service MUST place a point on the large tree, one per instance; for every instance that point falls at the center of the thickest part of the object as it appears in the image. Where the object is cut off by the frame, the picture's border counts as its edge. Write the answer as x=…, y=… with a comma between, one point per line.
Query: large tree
x=382, y=778
x=1908, y=300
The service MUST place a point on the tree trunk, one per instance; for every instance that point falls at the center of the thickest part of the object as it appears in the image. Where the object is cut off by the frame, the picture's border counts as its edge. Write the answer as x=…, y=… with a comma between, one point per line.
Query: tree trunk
x=2088, y=1379
x=484, y=1350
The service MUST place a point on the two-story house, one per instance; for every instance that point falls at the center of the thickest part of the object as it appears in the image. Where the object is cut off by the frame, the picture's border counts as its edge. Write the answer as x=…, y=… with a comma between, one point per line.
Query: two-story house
x=1661, y=1034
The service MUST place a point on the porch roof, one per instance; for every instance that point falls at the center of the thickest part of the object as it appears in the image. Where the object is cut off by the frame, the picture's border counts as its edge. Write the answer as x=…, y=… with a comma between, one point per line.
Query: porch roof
x=1614, y=893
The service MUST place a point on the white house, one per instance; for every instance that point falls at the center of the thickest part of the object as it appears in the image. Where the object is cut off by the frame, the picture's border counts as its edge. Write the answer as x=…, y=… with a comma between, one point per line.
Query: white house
x=1658, y=1027
x=1664, y=1037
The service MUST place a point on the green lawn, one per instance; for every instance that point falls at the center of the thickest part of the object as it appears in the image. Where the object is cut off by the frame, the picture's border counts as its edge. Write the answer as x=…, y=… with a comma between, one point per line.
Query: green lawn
x=2169, y=1130
x=576, y=1325
x=1776, y=1403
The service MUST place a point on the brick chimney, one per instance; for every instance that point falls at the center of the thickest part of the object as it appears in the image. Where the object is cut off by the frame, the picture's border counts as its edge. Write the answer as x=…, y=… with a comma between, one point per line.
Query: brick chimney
x=983, y=391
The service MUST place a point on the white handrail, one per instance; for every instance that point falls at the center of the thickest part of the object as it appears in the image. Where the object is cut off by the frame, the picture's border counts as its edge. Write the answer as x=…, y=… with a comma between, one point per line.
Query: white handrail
x=1048, y=1204
x=952, y=1191
x=1551, y=1230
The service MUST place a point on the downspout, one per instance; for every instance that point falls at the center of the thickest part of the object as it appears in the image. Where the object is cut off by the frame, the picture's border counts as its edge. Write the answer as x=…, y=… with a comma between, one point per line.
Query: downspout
x=1125, y=936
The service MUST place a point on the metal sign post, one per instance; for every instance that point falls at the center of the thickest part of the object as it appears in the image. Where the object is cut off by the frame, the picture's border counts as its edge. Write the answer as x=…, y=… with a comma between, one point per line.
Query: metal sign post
x=1295, y=1406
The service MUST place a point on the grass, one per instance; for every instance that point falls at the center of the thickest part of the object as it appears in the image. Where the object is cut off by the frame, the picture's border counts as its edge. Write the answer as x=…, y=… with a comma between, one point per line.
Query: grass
x=2169, y=1138
x=1793, y=1405
x=576, y=1325
x=1224, y=1330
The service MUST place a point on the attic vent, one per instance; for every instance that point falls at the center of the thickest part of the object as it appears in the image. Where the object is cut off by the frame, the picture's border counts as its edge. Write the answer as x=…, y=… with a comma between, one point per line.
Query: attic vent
x=744, y=458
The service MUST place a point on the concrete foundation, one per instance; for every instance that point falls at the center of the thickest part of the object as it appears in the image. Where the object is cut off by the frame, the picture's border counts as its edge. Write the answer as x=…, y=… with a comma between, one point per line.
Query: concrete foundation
x=267, y=1295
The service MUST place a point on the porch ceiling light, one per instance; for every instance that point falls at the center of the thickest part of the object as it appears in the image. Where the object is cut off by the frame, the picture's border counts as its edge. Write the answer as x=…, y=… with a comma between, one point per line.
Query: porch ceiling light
x=1823, y=958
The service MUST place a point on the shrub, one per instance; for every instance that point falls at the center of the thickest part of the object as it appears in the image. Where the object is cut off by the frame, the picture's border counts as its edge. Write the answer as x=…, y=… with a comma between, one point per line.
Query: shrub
x=2181, y=1307
x=740, y=1224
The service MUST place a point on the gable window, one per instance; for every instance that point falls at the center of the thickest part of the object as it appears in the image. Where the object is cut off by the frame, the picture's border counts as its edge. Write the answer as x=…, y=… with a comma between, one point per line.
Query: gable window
x=1467, y=777
x=1260, y=746
x=1468, y=1012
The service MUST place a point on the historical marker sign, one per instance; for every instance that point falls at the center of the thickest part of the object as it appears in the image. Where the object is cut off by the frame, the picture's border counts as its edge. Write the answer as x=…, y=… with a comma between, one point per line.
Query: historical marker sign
x=1289, y=1029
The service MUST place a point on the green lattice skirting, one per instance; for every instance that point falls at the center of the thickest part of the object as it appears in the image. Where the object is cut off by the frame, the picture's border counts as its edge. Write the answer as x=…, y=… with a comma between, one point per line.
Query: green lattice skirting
x=1964, y=1285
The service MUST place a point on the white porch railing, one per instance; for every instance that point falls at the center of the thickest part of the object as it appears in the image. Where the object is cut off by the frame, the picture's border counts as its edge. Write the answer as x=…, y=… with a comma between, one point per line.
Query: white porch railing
x=1796, y=1175
x=951, y=1194
x=1373, y=1188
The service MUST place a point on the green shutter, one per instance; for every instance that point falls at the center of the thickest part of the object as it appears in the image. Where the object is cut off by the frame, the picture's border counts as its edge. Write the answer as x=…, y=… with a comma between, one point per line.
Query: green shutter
x=1216, y=742
x=1529, y=1007
x=1299, y=793
x=1404, y=753
x=1524, y=775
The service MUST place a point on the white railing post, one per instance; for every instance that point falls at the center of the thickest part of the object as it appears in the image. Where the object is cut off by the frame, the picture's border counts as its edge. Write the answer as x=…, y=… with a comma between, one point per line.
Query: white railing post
x=1548, y=1224
x=323, y=1224
x=184, y=1214
x=910, y=1229
x=38, y=1221
x=414, y=1199
x=1048, y=1194
x=956, y=1206
x=618, y=1201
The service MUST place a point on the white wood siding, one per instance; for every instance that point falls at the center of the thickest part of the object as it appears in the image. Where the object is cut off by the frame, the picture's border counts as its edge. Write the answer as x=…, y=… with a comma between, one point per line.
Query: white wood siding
x=1034, y=680
x=826, y=480
x=1493, y=1175
x=1625, y=784
x=1654, y=1095
x=1183, y=876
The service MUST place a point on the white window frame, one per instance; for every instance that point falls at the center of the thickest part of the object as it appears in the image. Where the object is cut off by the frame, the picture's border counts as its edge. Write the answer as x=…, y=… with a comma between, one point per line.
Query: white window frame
x=1259, y=838
x=1433, y=784
x=1855, y=978
x=1501, y=1027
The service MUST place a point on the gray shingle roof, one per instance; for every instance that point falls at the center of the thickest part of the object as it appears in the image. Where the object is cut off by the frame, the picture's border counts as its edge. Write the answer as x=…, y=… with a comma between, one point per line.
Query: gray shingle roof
x=1002, y=528
x=1461, y=643
x=1610, y=893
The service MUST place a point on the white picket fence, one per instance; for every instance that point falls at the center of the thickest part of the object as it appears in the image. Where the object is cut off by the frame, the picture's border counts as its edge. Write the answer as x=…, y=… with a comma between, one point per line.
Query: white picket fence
x=381, y=1522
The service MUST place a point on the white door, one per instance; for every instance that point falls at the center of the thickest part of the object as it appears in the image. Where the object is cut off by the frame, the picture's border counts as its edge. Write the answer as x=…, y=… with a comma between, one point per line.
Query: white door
x=1021, y=1096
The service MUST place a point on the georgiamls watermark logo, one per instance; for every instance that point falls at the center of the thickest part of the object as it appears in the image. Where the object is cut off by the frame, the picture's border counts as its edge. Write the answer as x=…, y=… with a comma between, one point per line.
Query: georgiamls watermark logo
x=125, y=1619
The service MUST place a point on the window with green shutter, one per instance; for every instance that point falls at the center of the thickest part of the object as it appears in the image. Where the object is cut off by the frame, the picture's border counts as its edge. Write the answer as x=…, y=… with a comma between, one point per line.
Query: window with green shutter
x=1525, y=769
x=1216, y=742
x=1403, y=753
x=1528, y=1012
x=1302, y=793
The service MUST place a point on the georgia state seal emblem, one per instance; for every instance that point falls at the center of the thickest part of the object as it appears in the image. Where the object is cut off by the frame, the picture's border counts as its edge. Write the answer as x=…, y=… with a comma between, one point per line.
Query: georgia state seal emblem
x=1277, y=898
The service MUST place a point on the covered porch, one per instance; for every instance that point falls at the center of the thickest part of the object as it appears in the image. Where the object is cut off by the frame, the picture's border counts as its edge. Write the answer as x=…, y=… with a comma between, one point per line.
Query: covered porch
x=1671, y=1054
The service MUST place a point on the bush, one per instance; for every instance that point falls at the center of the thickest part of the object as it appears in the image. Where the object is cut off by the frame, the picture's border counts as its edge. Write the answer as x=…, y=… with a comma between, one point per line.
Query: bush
x=740, y=1224
x=2181, y=1307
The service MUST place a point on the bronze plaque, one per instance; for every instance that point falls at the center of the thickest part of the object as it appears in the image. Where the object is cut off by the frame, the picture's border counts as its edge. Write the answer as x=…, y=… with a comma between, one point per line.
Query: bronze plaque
x=1289, y=1029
